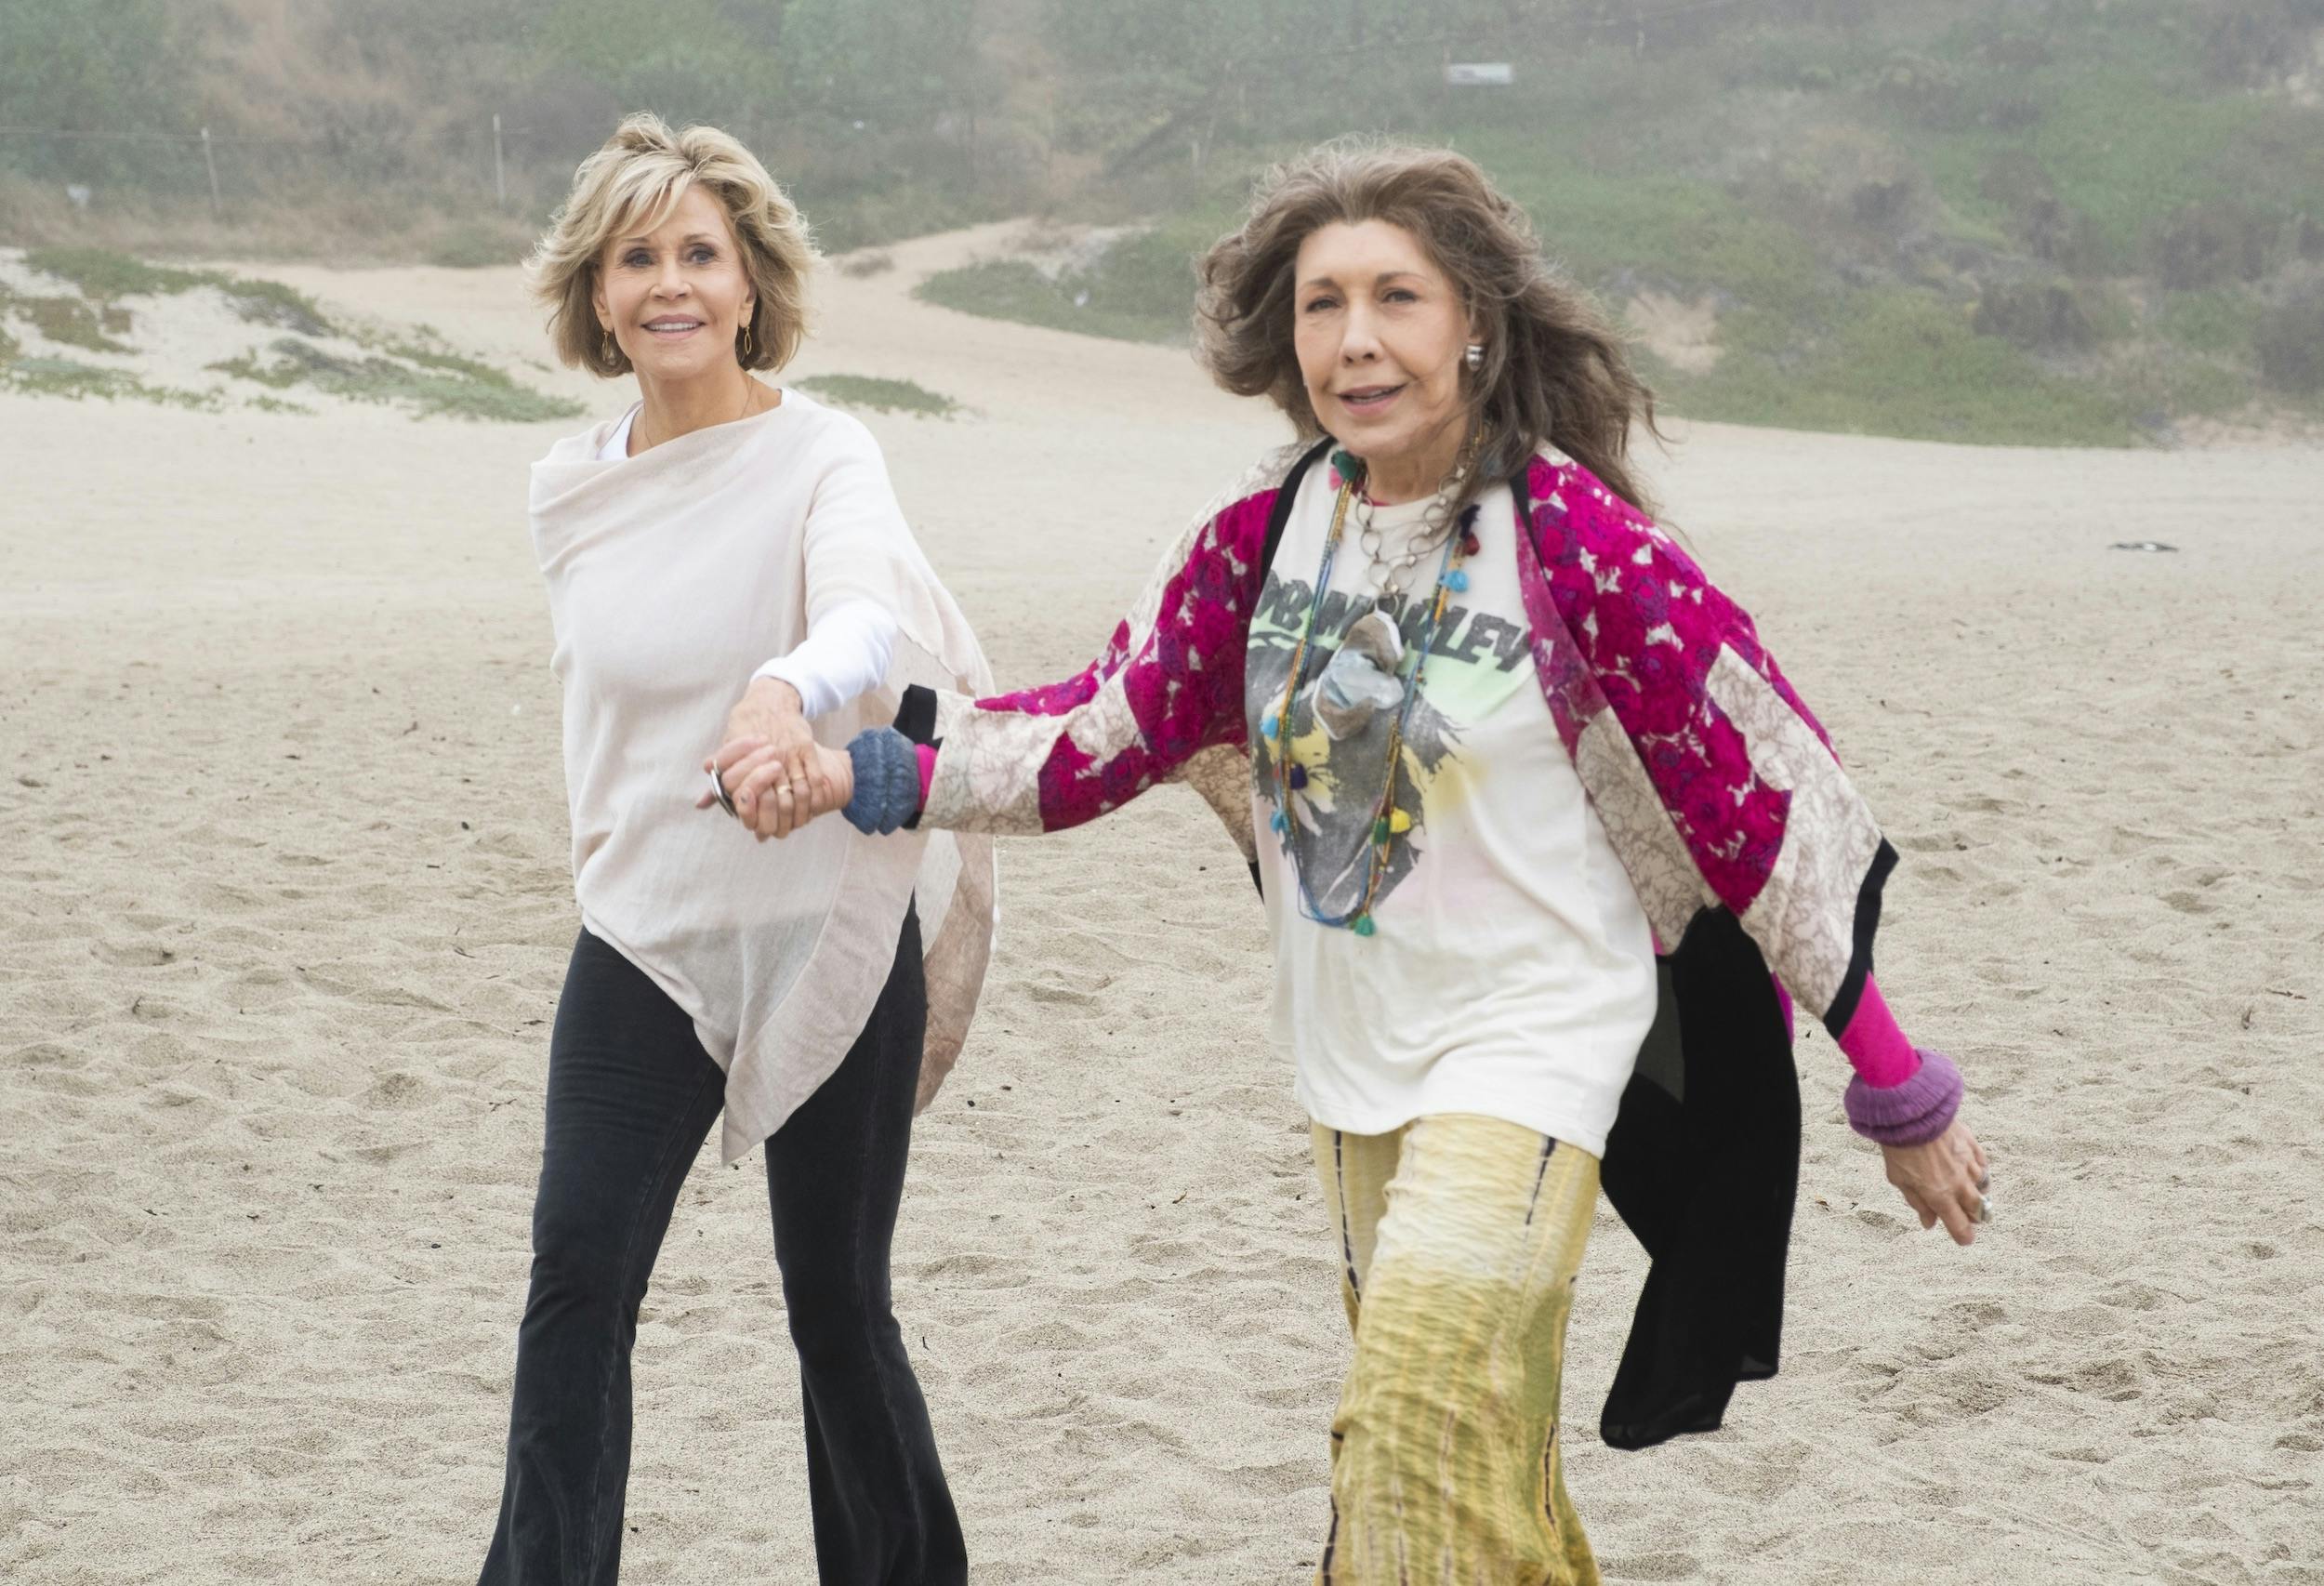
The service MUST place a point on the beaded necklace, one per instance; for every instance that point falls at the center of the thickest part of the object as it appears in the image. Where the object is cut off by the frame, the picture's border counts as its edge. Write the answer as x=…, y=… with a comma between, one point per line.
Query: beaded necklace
x=1389, y=824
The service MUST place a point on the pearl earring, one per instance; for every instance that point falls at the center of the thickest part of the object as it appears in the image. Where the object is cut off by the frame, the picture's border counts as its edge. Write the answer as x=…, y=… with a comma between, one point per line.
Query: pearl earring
x=1475, y=358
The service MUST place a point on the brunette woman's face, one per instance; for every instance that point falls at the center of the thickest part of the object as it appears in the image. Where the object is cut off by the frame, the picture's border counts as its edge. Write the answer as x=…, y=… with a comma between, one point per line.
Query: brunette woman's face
x=677, y=298
x=1381, y=333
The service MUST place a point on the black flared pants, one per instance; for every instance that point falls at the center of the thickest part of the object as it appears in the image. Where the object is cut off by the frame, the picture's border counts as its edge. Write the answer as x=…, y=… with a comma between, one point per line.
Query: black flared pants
x=631, y=1097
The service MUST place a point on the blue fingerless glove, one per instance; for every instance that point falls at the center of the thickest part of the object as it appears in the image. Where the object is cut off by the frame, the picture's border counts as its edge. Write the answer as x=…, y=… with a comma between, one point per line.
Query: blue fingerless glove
x=887, y=781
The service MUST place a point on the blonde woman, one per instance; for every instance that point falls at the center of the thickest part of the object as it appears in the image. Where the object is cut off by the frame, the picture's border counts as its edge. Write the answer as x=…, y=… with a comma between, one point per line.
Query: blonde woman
x=722, y=537
x=1534, y=816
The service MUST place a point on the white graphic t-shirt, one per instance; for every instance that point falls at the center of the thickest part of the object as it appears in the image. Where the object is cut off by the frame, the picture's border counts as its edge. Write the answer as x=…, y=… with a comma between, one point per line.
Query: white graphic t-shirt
x=1511, y=972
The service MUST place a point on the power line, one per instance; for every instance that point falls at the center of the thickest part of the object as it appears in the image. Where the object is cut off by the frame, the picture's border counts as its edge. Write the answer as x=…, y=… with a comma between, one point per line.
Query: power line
x=83, y=135
x=1638, y=20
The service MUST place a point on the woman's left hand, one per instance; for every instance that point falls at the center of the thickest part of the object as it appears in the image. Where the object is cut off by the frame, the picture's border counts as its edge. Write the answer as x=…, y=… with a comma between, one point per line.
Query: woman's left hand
x=785, y=771
x=774, y=796
x=1943, y=1181
x=770, y=712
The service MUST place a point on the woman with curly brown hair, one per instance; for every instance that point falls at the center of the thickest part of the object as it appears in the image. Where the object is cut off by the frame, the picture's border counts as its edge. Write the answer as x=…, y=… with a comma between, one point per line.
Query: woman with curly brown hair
x=1495, y=747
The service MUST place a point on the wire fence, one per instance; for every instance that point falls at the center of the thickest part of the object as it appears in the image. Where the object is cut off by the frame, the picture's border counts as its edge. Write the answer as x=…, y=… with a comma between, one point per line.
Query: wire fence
x=833, y=146
x=492, y=163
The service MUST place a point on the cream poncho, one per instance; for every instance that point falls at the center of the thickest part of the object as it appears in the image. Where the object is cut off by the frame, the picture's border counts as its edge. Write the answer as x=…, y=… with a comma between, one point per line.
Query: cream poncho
x=672, y=577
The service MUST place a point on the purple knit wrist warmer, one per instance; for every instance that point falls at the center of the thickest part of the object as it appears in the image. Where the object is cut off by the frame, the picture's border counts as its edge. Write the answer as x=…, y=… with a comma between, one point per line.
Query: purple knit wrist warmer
x=1910, y=1114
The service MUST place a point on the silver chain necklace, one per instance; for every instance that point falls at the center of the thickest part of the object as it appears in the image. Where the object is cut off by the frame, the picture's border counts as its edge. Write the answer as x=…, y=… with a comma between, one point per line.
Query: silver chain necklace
x=1387, y=573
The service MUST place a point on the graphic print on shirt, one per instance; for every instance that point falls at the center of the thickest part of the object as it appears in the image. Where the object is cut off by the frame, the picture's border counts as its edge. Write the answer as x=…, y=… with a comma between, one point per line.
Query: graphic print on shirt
x=1478, y=661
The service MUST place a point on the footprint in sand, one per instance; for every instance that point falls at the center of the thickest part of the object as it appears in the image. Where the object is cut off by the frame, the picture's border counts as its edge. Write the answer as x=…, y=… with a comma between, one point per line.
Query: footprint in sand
x=395, y=1093
x=133, y=954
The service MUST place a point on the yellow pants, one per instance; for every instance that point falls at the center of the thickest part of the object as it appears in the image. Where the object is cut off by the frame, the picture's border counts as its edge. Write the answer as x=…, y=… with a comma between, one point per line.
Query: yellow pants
x=1459, y=1238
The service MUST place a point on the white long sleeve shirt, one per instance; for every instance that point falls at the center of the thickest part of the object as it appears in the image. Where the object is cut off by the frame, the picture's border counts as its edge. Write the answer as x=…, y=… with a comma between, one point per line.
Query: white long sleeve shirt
x=845, y=654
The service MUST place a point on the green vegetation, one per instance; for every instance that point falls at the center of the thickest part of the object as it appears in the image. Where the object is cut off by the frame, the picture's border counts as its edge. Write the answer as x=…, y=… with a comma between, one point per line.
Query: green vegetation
x=281, y=376
x=444, y=362
x=2162, y=386
x=1684, y=232
x=1141, y=288
x=65, y=377
x=2049, y=221
x=345, y=126
x=413, y=370
x=432, y=382
x=2291, y=345
x=2225, y=321
x=103, y=274
x=69, y=322
x=78, y=67
x=1089, y=301
x=1898, y=362
x=476, y=246
x=848, y=221
x=271, y=303
x=880, y=395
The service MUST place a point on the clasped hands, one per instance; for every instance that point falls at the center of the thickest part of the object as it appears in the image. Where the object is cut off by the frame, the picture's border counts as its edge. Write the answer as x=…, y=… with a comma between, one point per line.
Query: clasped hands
x=776, y=777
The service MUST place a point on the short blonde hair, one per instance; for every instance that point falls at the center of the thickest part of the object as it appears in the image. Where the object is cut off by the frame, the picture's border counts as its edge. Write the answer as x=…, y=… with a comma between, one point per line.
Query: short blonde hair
x=632, y=185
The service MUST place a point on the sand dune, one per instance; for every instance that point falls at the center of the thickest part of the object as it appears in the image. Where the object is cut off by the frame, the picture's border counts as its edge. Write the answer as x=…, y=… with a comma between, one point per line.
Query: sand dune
x=285, y=906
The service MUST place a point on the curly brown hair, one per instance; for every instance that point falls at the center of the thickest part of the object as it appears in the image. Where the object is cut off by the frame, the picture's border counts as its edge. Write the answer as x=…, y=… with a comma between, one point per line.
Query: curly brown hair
x=1554, y=371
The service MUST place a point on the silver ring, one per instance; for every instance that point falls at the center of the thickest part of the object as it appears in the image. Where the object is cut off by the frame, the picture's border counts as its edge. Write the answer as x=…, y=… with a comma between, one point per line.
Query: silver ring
x=1985, y=1211
x=717, y=787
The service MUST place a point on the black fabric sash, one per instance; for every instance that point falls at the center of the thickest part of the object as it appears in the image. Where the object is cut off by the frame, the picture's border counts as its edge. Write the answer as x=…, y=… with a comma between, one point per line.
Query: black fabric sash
x=1703, y=1166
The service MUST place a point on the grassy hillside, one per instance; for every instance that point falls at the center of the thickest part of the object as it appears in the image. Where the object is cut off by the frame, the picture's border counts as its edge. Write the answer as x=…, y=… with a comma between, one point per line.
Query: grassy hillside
x=2073, y=223
x=2089, y=221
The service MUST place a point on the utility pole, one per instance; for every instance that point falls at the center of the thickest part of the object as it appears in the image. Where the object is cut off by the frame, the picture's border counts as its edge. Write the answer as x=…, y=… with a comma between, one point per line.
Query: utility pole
x=217, y=205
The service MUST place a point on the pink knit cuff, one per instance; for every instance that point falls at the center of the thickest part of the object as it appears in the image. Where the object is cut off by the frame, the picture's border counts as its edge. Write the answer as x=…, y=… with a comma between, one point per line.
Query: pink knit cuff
x=928, y=770
x=1876, y=1047
x=1910, y=1114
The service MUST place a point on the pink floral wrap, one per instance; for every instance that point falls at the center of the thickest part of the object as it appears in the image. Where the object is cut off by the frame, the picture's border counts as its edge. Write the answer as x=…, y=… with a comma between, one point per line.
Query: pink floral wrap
x=1716, y=785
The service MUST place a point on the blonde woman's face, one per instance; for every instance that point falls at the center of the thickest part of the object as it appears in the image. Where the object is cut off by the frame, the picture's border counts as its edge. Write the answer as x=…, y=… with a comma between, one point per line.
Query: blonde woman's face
x=677, y=298
x=1381, y=333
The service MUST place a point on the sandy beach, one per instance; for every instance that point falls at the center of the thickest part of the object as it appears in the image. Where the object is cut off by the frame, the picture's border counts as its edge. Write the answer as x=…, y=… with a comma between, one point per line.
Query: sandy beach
x=286, y=906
